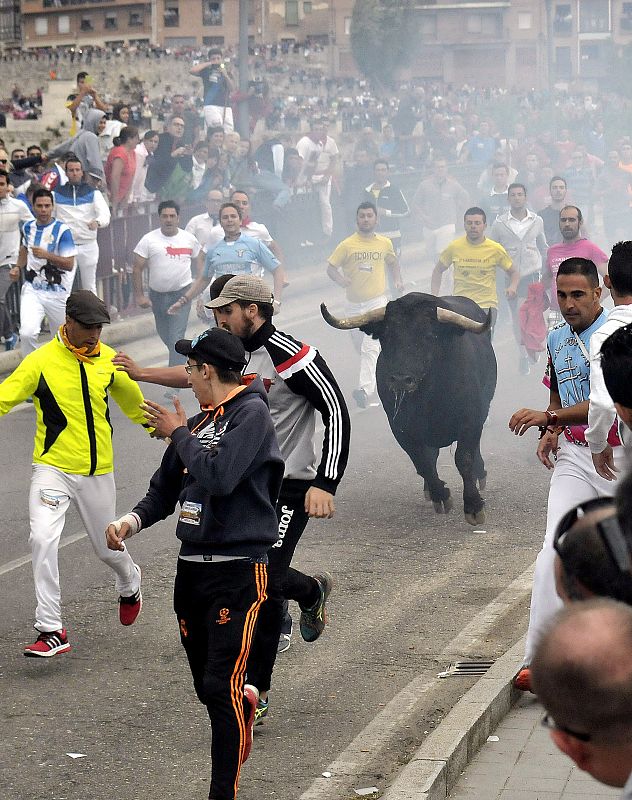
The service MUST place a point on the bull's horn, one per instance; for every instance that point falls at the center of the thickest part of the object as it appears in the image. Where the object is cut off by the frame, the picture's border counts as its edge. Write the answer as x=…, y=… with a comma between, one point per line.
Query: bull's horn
x=347, y=323
x=452, y=318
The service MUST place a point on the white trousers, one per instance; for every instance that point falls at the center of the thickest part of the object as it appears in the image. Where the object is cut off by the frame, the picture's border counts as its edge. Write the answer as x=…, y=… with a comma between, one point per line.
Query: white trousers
x=324, y=201
x=369, y=347
x=437, y=239
x=49, y=499
x=34, y=306
x=86, y=259
x=219, y=117
x=574, y=480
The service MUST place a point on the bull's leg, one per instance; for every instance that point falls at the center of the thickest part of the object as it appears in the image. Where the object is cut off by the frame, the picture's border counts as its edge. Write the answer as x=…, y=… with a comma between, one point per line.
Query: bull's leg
x=480, y=473
x=425, y=461
x=473, y=504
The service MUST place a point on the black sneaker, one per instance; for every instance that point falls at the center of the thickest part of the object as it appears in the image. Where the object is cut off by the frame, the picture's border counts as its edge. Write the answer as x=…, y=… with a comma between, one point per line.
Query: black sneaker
x=314, y=619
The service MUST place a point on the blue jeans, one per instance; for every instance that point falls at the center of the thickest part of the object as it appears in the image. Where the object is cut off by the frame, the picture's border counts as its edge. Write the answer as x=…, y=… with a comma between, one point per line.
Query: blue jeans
x=170, y=327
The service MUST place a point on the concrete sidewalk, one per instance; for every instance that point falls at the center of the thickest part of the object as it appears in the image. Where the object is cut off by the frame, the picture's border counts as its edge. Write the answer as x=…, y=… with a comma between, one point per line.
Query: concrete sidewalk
x=524, y=764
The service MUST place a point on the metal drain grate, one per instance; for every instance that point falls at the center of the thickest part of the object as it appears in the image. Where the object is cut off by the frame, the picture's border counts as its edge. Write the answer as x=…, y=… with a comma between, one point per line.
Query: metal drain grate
x=466, y=668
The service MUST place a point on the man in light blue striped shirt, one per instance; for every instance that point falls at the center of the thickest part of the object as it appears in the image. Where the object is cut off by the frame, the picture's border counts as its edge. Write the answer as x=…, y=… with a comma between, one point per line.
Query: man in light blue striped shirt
x=47, y=255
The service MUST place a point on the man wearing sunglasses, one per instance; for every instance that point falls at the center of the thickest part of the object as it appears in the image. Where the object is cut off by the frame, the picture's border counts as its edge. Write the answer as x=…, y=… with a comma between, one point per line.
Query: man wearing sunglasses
x=582, y=674
x=562, y=447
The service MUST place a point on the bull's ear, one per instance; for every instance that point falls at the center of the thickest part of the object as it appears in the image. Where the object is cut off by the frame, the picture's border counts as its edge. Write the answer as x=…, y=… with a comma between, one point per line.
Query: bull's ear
x=373, y=329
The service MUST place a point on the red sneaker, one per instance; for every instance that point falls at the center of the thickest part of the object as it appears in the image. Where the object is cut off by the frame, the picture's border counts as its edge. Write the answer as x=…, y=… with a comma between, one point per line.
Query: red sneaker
x=49, y=644
x=129, y=607
x=251, y=696
x=522, y=681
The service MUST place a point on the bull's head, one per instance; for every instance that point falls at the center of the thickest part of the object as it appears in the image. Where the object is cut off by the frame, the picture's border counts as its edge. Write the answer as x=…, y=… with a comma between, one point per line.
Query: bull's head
x=409, y=330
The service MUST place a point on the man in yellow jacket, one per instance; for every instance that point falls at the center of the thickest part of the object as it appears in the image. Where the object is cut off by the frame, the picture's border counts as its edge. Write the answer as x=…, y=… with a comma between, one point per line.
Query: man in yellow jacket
x=69, y=380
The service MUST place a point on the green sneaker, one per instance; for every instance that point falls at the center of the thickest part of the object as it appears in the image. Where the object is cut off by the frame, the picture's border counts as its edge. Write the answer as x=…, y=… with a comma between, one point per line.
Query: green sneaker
x=262, y=711
x=314, y=619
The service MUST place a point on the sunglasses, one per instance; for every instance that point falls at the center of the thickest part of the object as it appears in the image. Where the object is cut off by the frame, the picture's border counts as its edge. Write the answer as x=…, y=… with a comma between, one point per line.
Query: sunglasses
x=608, y=529
x=548, y=722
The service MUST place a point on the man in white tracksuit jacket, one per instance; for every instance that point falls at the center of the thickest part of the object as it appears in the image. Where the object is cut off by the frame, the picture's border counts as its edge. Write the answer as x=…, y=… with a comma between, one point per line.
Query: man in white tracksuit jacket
x=601, y=410
x=521, y=233
x=84, y=210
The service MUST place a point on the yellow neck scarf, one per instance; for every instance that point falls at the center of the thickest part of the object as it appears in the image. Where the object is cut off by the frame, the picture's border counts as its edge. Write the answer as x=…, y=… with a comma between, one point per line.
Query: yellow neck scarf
x=82, y=353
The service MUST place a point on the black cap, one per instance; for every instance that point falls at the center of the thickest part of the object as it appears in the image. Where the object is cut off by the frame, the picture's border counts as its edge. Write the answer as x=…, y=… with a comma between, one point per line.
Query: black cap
x=87, y=308
x=215, y=346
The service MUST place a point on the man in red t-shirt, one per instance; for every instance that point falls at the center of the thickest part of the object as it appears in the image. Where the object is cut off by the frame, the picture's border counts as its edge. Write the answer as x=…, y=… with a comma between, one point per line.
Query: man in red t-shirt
x=573, y=245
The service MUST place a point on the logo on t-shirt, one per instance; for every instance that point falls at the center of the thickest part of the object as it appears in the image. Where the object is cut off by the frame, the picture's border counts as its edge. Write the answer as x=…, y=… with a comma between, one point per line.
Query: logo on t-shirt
x=176, y=252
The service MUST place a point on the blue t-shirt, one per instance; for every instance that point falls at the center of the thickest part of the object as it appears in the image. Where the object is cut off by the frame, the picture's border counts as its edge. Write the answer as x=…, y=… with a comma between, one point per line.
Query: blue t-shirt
x=215, y=87
x=244, y=256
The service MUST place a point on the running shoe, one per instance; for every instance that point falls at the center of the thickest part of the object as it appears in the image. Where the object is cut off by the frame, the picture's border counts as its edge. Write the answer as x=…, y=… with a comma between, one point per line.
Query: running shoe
x=10, y=342
x=251, y=701
x=262, y=711
x=314, y=619
x=129, y=607
x=522, y=681
x=285, y=642
x=49, y=644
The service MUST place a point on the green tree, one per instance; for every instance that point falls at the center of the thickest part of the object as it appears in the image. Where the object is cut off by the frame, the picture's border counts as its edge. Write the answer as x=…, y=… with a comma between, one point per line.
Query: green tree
x=383, y=34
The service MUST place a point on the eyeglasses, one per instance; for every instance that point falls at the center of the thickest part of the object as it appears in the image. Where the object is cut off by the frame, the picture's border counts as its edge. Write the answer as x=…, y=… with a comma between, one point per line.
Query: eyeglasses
x=548, y=722
x=189, y=367
x=608, y=529
x=4, y=160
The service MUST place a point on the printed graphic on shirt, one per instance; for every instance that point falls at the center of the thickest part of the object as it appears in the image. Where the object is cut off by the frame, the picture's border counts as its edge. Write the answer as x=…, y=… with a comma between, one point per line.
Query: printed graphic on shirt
x=191, y=513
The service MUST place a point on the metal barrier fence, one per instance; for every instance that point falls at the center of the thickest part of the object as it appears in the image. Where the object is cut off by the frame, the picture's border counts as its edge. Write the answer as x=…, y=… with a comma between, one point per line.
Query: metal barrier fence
x=290, y=226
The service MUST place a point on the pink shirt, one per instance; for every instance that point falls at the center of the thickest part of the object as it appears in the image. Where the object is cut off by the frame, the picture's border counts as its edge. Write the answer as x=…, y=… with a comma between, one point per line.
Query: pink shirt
x=557, y=253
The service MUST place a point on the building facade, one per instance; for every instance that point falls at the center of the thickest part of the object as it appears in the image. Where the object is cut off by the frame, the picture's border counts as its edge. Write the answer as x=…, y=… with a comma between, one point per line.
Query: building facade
x=521, y=43
x=10, y=23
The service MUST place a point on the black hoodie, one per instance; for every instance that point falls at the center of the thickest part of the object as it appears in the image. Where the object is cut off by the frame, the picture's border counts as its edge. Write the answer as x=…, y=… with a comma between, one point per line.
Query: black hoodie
x=225, y=470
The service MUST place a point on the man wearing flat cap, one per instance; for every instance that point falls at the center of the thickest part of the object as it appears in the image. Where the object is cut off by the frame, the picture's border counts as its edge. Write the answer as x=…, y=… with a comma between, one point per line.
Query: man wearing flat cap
x=224, y=469
x=69, y=379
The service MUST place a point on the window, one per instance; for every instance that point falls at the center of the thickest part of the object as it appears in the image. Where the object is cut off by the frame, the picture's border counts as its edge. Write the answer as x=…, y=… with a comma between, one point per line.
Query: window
x=63, y=24
x=172, y=14
x=111, y=22
x=594, y=16
x=485, y=24
x=307, y=7
x=136, y=19
x=212, y=12
x=347, y=26
x=291, y=12
x=213, y=41
x=563, y=20
x=86, y=24
x=563, y=63
x=41, y=26
x=525, y=20
x=428, y=26
x=626, y=17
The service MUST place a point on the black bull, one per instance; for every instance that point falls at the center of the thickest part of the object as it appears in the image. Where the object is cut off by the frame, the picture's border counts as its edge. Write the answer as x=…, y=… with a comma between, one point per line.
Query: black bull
x=436, y=377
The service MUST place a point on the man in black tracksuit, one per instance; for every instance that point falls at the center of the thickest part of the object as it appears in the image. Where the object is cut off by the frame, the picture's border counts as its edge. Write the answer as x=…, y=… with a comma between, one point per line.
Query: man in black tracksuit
x=299, y=384
x=224, y=468
x=391, y=204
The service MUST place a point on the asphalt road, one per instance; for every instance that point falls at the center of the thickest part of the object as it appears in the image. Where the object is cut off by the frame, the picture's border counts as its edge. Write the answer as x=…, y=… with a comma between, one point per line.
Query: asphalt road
x=407, y=583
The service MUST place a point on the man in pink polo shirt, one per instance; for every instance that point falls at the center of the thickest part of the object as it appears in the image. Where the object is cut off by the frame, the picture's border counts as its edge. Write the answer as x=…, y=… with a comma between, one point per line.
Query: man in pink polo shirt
x=573, y=245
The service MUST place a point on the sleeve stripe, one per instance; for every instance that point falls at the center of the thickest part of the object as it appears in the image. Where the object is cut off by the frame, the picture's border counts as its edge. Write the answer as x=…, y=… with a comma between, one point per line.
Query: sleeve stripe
x=335, y=427
x=297, y=362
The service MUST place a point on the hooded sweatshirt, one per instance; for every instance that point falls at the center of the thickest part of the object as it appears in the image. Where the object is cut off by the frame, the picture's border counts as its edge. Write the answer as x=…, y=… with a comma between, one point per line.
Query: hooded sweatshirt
x=85, y=145
x=225, y=470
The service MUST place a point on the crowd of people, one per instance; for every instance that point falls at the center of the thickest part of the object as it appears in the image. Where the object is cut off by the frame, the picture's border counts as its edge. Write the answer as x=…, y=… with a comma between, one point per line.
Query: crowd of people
x=530, y=205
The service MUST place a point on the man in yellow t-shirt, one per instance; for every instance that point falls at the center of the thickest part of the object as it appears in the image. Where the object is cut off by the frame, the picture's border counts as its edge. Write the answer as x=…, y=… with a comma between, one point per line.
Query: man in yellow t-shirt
x=476, y=259
x=359, y=265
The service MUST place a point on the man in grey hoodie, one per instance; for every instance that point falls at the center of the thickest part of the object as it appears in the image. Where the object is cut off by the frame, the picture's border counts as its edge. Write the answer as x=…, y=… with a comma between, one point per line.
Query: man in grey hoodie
x=521, y=232
x=85, y=145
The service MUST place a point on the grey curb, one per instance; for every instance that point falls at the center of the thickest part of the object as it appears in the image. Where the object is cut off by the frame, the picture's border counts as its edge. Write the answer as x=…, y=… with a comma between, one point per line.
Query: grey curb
x=437, y=765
